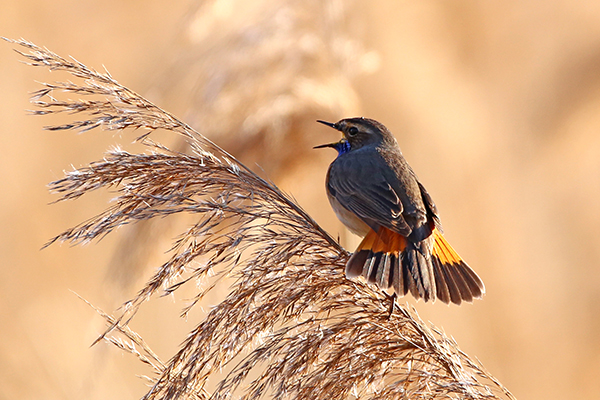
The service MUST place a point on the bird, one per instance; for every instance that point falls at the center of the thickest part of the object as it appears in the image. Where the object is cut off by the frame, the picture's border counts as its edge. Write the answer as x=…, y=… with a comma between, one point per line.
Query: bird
x=377, y=195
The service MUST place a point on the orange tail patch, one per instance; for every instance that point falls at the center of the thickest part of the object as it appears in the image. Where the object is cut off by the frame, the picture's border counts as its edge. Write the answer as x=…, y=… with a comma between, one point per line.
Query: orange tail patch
x=383, y=241
x=455, y=280
x=443, y=250
x=429, y=269
x=377, y=257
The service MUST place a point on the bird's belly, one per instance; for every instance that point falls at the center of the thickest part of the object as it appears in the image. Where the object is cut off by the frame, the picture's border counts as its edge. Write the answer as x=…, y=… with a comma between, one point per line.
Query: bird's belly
x=348, y=218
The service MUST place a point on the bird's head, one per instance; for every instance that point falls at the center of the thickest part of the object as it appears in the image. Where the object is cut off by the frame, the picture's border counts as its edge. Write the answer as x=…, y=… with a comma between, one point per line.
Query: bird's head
x=358, y=132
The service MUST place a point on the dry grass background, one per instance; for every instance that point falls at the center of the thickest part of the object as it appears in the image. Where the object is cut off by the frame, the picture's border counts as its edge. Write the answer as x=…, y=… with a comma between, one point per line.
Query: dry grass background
x=495, y=105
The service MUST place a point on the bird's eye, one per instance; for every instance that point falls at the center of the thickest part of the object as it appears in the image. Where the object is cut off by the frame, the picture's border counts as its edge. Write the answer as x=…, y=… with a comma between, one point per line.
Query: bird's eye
x=352, y=131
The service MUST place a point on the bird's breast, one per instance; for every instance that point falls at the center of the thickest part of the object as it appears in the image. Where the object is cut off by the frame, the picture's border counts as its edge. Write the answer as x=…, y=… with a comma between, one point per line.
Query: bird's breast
x=348, y=218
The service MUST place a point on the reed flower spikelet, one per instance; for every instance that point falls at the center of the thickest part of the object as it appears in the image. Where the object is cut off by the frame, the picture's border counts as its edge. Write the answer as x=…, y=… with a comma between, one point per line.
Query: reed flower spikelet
x=291, y=325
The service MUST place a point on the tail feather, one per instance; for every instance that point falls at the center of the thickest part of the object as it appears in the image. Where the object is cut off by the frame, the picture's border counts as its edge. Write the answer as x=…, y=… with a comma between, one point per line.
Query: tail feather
x=370, y=273
x=356, y=263
x=389, y=260
x=382, y=278
x=419, y=269
x=463, y=287
x=448, y=279
x=443, y=286
x=399, y=279
x=466, y=281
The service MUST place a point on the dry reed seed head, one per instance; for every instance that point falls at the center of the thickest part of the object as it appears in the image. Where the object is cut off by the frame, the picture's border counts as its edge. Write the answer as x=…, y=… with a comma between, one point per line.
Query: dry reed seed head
x=291, y=326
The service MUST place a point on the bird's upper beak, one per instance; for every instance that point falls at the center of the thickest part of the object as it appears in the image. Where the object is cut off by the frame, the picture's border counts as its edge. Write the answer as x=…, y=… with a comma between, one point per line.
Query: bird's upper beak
x=331, y=125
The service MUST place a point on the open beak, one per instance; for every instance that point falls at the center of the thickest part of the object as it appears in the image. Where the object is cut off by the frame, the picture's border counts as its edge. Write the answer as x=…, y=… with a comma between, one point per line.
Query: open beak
x=331, y=125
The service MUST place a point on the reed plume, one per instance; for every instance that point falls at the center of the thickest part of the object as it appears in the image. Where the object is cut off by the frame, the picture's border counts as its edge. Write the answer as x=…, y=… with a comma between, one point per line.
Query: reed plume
x=254, y=84
x=291, y=325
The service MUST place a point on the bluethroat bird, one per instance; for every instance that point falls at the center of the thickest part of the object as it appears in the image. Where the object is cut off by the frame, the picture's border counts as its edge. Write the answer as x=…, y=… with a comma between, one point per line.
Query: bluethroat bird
x=376, y=194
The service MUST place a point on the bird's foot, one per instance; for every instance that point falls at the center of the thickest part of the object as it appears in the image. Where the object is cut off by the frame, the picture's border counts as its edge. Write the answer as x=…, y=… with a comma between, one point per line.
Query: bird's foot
x=392, y=299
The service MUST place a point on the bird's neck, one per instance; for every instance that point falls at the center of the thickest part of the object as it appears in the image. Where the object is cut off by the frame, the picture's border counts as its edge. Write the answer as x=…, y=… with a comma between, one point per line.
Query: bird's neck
x=342, y=147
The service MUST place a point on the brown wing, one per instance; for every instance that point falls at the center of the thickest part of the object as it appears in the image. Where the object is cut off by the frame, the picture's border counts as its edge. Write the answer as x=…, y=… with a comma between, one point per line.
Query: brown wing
x=362, y=185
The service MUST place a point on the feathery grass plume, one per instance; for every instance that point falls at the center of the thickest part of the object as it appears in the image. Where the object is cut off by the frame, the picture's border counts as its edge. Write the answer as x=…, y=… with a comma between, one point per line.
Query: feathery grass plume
x=254, y=75
x=291, y=326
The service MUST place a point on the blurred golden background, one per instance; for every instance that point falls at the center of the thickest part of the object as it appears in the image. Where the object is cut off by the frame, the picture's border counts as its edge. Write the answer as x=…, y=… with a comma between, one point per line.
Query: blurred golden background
x=496, y=105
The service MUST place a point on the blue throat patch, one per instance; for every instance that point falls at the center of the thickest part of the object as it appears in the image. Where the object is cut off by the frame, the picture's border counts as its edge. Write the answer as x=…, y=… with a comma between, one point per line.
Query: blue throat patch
x=342, y=147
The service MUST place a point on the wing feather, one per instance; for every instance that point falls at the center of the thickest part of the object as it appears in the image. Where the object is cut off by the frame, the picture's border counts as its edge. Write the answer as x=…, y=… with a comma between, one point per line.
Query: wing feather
x=367, y=193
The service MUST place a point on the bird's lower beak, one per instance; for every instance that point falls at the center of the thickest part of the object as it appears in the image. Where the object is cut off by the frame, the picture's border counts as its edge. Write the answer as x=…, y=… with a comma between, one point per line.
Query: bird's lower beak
x=332, y=145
